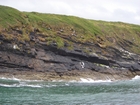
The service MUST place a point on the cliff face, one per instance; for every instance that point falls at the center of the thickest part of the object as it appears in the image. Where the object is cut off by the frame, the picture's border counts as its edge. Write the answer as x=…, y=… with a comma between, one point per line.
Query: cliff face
x=62, y=47
x=39, y=57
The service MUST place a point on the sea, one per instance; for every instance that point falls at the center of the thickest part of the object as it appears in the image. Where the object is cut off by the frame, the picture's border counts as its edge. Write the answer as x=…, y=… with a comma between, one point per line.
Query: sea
x=14, y=91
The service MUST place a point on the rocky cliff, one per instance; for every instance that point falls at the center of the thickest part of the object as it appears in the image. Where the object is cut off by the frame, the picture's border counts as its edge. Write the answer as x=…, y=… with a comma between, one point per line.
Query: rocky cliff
x=68, y=49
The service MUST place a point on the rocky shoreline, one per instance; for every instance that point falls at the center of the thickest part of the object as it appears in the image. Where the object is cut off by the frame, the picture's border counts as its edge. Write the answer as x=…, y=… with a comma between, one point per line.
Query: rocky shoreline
x=71, y=76
x=37, y=60
x=54, y=47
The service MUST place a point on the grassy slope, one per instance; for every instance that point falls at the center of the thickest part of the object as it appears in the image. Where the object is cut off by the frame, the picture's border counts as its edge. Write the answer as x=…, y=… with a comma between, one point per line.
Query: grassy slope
x=78, y=29
x=10, y=17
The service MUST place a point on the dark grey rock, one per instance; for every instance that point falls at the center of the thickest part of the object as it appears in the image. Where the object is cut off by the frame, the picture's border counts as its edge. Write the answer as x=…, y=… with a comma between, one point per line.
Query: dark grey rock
x=48, y=58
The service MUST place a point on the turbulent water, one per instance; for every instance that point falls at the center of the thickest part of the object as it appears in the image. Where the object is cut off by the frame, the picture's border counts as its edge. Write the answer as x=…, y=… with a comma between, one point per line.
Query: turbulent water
x=84, y=92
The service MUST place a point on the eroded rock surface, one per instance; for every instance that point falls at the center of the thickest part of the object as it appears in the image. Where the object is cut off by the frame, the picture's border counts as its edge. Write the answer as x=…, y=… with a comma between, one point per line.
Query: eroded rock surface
x=37, y=56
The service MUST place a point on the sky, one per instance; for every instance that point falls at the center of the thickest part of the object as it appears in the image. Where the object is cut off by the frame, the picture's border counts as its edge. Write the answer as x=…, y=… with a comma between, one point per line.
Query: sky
x=108, y=10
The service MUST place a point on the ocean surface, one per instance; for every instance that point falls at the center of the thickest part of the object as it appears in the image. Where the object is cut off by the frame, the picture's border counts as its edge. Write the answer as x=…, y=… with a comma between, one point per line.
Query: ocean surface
x=85, y=92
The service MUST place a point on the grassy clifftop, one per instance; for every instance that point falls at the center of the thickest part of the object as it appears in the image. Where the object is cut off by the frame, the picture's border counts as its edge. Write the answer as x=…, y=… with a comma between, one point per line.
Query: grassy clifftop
x=62, y=28
x=10, y=17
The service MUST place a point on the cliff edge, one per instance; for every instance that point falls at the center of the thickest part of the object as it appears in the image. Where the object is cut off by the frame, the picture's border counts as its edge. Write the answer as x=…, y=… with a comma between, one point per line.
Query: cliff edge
x=48, y=46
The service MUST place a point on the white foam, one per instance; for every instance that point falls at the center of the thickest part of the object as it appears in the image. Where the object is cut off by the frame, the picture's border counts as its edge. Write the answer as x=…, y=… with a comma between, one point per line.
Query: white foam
x=89, y=80
x=20, y=82
x=4, y=78
x=5, y=85
x=73, y=81
x=57, y=81
x=136, y=77
x=50, y=85
x=16, y=79
x=32, y=80
x=19, y=85
x=27, y=85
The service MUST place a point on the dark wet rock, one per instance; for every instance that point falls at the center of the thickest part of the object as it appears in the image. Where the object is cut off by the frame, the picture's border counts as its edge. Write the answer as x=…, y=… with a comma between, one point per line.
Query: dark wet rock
x=133, y=66
x=41, y=57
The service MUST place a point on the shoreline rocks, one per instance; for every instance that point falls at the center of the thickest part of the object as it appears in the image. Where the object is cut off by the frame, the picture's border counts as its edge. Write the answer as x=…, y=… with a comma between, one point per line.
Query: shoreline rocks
x=39, y=58
x=67, y=77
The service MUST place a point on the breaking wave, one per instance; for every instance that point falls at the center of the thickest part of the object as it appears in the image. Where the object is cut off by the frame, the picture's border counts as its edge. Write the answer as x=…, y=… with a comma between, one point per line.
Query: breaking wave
x=15, y=82
x=137, y=77
x=19, y=85
x=89, y=80
x=16, y=79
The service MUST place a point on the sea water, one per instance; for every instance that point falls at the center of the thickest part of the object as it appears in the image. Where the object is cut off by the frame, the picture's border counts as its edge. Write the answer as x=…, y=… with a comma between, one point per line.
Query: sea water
x=85, y=92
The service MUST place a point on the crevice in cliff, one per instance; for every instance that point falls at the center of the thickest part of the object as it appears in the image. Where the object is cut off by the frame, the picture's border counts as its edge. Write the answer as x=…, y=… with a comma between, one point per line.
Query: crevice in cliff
x=77, y=55
x=51, y=61
x=10, y=65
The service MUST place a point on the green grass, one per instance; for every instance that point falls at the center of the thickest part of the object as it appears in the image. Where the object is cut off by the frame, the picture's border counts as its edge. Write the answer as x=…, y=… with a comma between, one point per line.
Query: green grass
x=10, y=17
x=84, y=30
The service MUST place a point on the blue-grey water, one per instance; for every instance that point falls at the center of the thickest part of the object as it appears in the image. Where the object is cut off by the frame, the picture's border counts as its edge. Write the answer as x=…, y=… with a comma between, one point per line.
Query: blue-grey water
x=18, y=92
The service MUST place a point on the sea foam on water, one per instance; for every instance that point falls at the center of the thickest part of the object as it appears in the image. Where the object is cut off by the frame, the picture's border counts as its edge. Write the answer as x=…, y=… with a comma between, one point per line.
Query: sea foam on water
x=136, y=77
x=89, y=80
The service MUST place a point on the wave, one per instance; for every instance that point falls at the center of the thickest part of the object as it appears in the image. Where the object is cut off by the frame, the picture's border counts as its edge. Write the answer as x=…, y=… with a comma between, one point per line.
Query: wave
x=89, y=80
x=14, y=82
x=33, y=85
x=16, y=79
x=137, y=77
x=19, y=85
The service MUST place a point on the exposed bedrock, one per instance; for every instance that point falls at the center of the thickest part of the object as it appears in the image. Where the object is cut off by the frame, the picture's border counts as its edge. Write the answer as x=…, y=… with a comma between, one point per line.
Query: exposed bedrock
x=22, y=56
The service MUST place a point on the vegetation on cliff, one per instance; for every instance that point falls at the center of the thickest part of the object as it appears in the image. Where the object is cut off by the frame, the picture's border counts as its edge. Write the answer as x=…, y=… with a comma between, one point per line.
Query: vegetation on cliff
x=66, y=45
x=66, y=30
